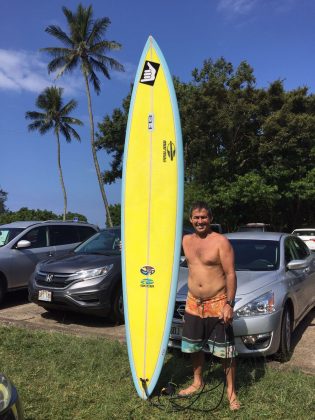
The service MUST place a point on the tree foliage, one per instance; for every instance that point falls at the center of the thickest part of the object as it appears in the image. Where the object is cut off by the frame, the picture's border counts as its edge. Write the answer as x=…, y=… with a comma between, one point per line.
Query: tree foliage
x=27, y=214
x=3, y=198
x=85, y=46
x=248, y=151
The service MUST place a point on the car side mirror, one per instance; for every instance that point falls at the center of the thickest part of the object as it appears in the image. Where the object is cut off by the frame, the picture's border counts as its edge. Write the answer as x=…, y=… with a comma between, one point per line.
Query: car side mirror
x=297, y=265
x=23, y=244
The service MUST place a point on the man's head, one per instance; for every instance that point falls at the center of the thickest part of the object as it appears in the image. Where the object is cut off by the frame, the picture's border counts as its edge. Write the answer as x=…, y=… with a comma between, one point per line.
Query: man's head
x=200, y=217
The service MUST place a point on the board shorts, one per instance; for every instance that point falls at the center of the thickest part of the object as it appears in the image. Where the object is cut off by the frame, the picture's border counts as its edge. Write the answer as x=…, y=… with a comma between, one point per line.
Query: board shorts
x=203, y=330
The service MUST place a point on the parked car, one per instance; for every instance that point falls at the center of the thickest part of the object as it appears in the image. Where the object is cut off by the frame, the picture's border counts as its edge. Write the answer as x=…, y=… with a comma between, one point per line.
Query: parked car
x=276, y=289
x=88, y=280
x=256, y=227
x=307, y=235
x=24, y=244
x=10, y=403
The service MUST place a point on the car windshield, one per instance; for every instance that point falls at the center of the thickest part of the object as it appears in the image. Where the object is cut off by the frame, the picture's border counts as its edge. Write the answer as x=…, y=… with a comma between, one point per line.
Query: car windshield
x=304, y=232
x=106, y=242
x=7, y=234
x=255, y=255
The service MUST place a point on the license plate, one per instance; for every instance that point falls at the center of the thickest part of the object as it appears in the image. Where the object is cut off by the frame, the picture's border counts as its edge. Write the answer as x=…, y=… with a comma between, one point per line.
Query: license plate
x=44, y=295
x=176, y=330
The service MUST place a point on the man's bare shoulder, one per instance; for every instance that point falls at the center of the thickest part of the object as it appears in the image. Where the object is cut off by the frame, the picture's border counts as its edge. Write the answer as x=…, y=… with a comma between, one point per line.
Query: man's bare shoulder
x=188, y=238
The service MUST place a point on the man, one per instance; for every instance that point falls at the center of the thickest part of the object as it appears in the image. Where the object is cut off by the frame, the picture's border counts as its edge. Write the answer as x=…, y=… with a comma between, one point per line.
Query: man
x=210, y=300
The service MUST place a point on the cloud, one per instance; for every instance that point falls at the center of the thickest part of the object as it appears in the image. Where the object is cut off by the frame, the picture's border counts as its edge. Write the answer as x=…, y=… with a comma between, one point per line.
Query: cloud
x=236, y=7
x=26, y=71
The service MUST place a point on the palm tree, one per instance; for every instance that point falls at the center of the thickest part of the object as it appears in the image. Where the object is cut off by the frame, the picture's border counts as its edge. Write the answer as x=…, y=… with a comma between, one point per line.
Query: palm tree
x=84, y=46
x=55, y=116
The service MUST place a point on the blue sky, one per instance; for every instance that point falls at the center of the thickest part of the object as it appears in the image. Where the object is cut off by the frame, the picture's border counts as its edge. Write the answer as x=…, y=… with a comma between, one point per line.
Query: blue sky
x=276, y=37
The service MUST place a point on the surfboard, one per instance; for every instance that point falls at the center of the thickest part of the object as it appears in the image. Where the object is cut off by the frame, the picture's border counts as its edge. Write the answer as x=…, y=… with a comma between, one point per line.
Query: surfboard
x=152, y=213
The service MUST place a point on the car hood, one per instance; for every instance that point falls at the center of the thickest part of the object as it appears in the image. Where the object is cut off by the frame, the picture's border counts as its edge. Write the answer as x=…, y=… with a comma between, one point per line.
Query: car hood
x=76, y=262
x=247, y=281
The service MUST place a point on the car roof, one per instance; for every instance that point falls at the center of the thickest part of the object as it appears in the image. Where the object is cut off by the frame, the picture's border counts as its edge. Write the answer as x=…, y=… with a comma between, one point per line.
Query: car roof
x=26, y=224
x=303, y=229
x=267, y=236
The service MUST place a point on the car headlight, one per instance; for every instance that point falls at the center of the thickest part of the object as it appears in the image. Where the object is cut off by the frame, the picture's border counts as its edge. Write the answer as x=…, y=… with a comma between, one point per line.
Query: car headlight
x=90, y=274
x=264, y=304
x=5, y=392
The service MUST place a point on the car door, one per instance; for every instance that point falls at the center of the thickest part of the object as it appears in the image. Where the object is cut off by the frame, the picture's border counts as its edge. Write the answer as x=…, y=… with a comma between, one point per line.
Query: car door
x=24, y=260
x=308, y=286
x=295, y=278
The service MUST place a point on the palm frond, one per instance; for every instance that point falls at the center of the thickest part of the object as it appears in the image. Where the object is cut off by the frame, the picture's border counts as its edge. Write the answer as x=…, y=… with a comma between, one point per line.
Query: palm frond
x=72, y=120
x=73, y=132
x=99, y=66
x=98, y=30
x=69, y=107
x=58, y=52
x=34, y=126
x=34, y=115
x=58, y=33
x=94, y=80
x=110, y=62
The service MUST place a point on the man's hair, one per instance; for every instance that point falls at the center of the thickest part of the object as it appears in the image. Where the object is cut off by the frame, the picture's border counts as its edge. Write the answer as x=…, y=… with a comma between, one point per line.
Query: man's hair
x=198, y=205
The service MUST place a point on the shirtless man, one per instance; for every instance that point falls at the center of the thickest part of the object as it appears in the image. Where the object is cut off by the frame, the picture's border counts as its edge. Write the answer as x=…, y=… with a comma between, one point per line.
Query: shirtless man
x=210, y=300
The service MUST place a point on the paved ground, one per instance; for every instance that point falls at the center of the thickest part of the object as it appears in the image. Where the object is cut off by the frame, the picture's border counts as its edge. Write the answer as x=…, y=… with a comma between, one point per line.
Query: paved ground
x=17, y=311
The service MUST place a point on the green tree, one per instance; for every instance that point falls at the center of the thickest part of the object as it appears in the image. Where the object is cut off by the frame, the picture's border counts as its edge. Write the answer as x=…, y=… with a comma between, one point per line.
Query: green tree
x=25, y=213
x=85, y=46
x=56, y=117
x=3, y=198
x=115, y=211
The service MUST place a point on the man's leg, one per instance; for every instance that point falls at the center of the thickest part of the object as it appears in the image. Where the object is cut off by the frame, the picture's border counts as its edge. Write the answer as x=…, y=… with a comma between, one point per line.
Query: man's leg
x=229, y=366
x=197, y=363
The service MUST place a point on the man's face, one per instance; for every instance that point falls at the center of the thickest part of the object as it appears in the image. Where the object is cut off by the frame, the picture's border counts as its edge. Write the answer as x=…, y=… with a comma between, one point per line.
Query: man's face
x=200, y=220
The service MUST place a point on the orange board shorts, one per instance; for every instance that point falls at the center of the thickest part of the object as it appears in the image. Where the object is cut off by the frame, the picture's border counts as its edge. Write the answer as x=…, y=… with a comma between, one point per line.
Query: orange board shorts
x=203, y=330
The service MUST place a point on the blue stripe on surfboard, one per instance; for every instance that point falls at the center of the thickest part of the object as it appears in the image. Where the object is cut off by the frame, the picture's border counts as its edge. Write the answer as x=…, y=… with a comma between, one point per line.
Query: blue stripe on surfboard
x=179, y=218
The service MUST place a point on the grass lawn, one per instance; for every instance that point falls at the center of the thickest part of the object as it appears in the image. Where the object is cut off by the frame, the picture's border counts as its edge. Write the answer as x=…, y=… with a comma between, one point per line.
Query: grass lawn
x=65, y=377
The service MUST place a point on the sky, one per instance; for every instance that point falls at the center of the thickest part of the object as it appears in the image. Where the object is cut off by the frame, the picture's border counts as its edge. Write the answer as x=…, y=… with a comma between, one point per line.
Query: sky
x=276, y=37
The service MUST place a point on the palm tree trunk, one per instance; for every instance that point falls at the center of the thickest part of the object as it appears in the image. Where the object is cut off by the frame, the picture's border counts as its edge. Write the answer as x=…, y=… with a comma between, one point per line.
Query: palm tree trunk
x=61, y=178
x=97, y=166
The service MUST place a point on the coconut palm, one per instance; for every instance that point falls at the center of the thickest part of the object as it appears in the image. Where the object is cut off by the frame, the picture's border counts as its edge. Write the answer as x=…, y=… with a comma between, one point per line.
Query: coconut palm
x=55, y=116
x=85, y=46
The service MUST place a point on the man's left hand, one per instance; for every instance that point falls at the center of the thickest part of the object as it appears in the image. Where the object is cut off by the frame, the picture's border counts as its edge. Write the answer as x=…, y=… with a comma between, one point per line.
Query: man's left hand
x=227, y=314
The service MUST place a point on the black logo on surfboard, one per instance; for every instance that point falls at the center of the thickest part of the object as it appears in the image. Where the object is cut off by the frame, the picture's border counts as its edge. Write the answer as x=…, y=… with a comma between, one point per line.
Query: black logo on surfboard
x=168, y=150
x=149, y=72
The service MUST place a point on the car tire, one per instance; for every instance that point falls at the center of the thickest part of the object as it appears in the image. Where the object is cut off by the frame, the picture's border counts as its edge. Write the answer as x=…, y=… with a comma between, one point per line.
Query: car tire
x=285, y=349
x=2, y=289
x=117, y=312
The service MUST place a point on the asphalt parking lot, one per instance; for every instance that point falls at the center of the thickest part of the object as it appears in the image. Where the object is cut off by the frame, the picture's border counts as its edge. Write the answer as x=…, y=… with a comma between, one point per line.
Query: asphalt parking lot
x=19, y=312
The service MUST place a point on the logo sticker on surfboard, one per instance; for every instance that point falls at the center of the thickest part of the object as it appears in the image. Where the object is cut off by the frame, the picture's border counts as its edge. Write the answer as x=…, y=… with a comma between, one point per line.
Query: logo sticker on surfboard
x=168, y=150
x=149, y=73
x=147, y=270
x=147, y=283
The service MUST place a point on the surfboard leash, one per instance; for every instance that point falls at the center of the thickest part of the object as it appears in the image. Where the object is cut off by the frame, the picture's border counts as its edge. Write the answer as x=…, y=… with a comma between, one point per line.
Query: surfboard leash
x=170, y=389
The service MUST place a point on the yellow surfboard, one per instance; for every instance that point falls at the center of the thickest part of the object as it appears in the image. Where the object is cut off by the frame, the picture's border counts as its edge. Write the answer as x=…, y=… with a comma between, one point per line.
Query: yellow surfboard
x=152, y=212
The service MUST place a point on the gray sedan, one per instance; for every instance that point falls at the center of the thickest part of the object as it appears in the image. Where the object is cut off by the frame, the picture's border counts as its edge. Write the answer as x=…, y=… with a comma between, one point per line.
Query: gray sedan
x=276, y=289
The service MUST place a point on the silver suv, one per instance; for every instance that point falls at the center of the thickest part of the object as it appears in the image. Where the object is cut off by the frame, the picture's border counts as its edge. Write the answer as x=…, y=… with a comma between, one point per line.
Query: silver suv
x=24, y=244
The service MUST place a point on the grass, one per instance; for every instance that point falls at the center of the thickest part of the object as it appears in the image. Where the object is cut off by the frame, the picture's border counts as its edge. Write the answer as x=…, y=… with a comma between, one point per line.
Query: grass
x=65, y=377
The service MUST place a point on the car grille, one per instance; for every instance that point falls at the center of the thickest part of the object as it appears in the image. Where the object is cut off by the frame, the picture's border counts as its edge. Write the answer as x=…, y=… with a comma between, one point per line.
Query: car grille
x=53, y=280
x=179, y=310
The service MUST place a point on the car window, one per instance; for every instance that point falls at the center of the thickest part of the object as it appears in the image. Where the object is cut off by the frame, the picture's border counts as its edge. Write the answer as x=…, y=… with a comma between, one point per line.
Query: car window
x=289, y=251
x=255, y=255
x=85, y=232
x=301, y=249
x=7, y=234
x=304, y=232
x=63, y=235
x=37, y=237
x=105, y=242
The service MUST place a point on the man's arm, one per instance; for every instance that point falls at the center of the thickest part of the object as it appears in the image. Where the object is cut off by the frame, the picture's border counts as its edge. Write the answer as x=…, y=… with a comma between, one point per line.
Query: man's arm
x=227, y=261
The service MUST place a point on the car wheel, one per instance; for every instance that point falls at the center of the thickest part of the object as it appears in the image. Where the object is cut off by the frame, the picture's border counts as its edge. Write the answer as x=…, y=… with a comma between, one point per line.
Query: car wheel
x=285, y=351
x=117, y=314
x=2, y=290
